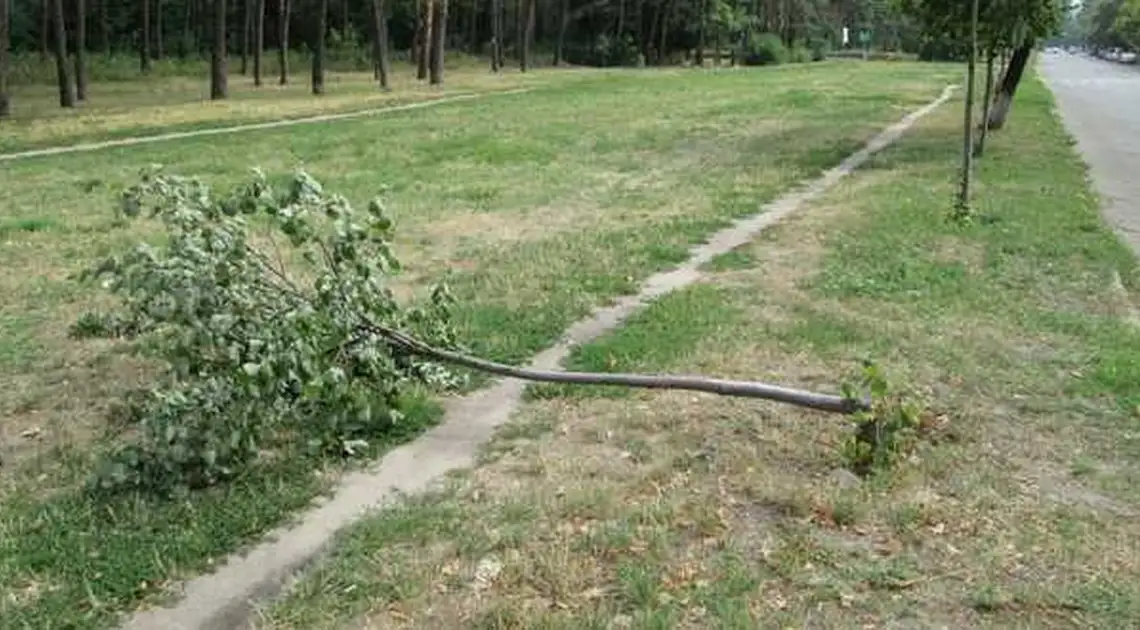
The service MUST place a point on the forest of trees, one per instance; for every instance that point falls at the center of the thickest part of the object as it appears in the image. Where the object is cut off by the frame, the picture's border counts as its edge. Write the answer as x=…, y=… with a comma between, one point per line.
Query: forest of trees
x=365, y=34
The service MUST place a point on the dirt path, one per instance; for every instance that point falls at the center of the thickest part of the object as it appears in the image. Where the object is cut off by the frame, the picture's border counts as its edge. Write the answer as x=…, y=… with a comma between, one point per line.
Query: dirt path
x=224, y=600
x=272, y=124
x=1098, y=103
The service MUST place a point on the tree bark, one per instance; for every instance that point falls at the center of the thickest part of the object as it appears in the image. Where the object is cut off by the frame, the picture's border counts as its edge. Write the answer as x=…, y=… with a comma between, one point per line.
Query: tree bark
x=5, y=44
x=144, y=39
x=246, y=31
x=318, y=74
x=105, y=28
x=219, y=80
x=66, y=95
x=438, y=39
x=473, y=29
x=980, y=147
x=527, y=36
x=703, y=17
x=424, y=40
x=496, y=35
x=1003, y=100
x=283, y=41
x=80, y=49
x=258, y=40
x=968, y=124
x=158, y=44
x=563, y=22
x=45, y=27
x=380, y=41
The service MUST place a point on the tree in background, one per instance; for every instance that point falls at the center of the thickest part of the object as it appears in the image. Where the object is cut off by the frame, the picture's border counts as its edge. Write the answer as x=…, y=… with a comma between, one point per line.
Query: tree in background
x=5, y=45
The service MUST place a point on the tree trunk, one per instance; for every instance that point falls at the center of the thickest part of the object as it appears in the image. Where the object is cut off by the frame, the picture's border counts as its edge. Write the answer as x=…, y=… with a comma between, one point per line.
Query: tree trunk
x=423, y=43
x=619, y=32
x=158, y=47
x=144, y=39
x=45, y=27
x=246, y=31
x=666, y=11
x=5, y=43
x=66, y=95
x=716, y=47
x=563, y=22
x=980, y=147
x=344, y=25
x=380, y=41
x=318, y=75
x=218, y=71
x=438, y=39
x=527, y=36
x=283, y=41
x=258, y=40
x=501, y=15
x=473, y=29
x=703, y=17
x=1003, y=100
x=105, y=28
x=496, y=35
x=963, y=205
x=80, y=49
x=187, y=30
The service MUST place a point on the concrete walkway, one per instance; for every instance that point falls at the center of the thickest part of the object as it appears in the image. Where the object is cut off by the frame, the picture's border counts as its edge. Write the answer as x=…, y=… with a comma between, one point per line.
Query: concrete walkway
x=1100, y=104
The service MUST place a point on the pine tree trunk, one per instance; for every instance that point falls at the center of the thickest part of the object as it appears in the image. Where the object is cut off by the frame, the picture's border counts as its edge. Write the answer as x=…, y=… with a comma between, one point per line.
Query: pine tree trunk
x=424, y=41
x=496, y=34
x=219, y=80
x=5, y=44
x=380, y=41
x=105, y=28
x=66, y=95
x=258, y=40
x=45, y=27
x=527, y=36
x=246, y=32
x=144, y=39
x=704, y=18
x=563, y=22
x=283, y=41
x=318, y=72
x=80, y=49
x=158, y=43
x=438, y=40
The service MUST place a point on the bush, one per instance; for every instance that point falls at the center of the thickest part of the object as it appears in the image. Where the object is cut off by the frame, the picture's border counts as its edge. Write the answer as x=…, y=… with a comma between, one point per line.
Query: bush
x=263, y=336
x=763, y=49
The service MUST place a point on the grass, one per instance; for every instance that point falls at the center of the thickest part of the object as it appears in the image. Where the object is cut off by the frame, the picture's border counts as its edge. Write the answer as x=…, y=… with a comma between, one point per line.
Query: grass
x=172, y=102
x=537, y=207
x=670, y=509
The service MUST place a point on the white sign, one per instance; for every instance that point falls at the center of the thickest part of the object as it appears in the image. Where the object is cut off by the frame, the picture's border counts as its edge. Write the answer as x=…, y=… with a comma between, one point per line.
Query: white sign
x=846, y=37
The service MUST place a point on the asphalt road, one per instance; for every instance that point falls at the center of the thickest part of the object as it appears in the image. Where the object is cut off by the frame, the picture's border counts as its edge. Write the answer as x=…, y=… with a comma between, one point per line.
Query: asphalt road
x=1100, y=104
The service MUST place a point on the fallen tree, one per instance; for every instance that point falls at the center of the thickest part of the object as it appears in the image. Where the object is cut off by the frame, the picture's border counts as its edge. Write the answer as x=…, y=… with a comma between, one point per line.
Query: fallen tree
x=288, y=336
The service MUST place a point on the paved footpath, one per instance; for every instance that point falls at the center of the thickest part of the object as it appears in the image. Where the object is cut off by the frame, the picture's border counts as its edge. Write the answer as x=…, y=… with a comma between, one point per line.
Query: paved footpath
x=1100, y=104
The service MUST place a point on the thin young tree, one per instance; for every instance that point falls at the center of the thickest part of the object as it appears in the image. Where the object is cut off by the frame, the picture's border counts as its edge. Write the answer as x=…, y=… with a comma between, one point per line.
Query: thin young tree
x=5, y=44
x=962, y=208
x=318, y=73
x=66, y=94
x=80, y=49
x=283, y=41
x=258, y=40
x=219, y=87
x=159, y=48
x=144, y=39
x=438, y=38
x=380, y=41
x=987, y=96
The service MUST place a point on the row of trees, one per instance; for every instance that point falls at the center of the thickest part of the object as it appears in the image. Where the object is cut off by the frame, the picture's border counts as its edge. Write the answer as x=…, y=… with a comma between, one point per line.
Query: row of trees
x=586, y=32
x=1106, y=24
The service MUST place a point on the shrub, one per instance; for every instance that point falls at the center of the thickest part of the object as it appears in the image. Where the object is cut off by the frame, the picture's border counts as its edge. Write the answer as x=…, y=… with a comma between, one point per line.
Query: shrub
x=763, y=49
x=885, y=433
x=259, y=333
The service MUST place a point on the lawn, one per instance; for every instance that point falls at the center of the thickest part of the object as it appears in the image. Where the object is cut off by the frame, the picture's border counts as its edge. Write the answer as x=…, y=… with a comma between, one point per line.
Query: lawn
x=171, y=103
x=537, y=207
x=598, y=508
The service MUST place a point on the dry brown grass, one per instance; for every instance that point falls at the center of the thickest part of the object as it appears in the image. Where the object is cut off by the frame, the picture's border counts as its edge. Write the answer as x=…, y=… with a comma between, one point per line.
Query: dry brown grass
x=657, y=510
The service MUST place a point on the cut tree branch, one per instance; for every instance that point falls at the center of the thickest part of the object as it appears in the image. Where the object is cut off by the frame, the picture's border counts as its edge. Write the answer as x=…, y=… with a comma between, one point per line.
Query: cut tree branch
x=744, y=389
